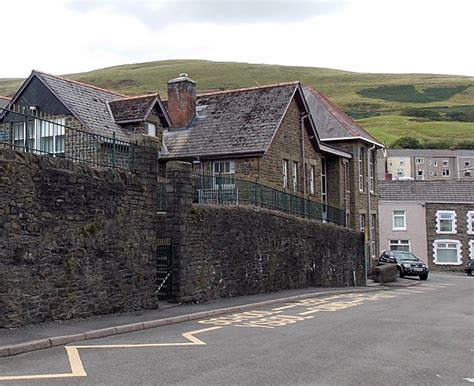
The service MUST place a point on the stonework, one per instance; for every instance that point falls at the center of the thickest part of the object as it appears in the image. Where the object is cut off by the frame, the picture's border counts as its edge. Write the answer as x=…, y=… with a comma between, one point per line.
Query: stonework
x=74, y=241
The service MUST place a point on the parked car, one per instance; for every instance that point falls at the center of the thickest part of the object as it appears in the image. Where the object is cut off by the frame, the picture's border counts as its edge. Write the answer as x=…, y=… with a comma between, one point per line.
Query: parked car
x=407, y=263
x=469, y=267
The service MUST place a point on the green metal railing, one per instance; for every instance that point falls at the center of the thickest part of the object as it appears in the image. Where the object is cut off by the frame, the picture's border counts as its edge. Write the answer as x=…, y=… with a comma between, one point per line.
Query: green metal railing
x=226, y=190
x=48, y=135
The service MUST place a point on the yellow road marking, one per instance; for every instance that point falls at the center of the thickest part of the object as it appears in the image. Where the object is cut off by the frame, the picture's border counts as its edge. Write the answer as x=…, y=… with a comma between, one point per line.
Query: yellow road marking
x=285, y=307
x=77, y=369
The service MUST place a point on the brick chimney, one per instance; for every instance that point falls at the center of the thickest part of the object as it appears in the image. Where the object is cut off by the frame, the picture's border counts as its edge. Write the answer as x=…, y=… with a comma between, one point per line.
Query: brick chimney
x=181, y=100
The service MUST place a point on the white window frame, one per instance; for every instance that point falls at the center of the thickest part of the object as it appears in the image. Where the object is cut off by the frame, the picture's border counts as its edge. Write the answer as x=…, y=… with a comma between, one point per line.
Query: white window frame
x=311, y=179
x=225, y=174
x=467, y=163
x=294, y=175
x=360, y=155
x=284, y=167
x=429, y=162
x=471, y=249
x=436, y=243
x=445, y=162
x=38, y=129
x=371, y=170
x=445, y=173
x=324, y=181
x=150, y=129
x=362, y=221
x=399, y=243
x=419, y=161
x=441, y=213
x=431, y=173
x=470, y=222
x=435, y=163
x=400, y=214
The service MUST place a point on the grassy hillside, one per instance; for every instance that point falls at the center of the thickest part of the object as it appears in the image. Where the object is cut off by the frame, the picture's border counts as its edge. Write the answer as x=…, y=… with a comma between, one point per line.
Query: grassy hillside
x=435, y=107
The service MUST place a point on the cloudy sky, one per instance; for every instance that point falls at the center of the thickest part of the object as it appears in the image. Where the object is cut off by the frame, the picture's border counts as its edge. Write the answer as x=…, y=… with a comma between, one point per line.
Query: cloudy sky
x=398, y=36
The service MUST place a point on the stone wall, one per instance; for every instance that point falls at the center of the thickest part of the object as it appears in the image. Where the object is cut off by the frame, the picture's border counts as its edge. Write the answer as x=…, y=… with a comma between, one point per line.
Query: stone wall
x=75, y=241
x=223, y=251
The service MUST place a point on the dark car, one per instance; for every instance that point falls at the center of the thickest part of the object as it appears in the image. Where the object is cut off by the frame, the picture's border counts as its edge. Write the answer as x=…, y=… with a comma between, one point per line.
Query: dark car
x=407, y=263
x=469, y=267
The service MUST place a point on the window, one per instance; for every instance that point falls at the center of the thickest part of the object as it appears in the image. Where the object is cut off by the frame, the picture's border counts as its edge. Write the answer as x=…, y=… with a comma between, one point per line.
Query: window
x=429, y=163
x=373, y=222
x=402, y=162
x=44, y=136
x=371, y=171
x=224, y=174
x=284, y=166
x=431, y=173
x=470, y=222
x=467, y=163
x=150, y=129
x=294, y=174
x=419, y=161
x=400, y=245
x=360, y=156
x=446, y=221
x=362, y=222
x=324, y=182
x=447, y=252
x=311, y=179
x=467, y=173
x=471, y=249
x=399, y=220
x=445, y=162
x=446, y=173
x=435, y=163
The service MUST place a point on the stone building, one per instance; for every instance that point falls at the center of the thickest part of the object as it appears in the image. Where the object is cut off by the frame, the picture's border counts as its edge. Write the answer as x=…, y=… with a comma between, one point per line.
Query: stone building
x=360, y=186
x=432, y=219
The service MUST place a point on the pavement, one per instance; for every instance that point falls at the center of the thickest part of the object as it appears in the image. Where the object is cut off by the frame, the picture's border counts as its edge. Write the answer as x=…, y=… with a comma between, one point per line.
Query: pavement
x=59, y=333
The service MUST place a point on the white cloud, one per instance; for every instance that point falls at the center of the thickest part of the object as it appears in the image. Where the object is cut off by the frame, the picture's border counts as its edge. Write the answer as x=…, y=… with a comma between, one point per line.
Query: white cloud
x=358, y=35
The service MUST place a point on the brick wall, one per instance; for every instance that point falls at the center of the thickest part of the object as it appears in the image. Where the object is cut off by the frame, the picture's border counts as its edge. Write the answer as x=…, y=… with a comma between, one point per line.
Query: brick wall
x=75, y=241
x=461, y=234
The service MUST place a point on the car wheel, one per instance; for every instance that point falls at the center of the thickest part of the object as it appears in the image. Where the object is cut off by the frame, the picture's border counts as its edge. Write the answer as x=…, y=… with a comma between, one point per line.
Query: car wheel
x=399, y=273
x=469, y=273
x=424, y=276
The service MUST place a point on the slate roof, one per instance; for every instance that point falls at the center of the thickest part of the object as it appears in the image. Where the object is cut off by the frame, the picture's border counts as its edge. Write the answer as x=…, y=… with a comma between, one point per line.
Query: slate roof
x=232, y=122
x=4, y=101
x=88, y=103
x=330, y=121
x=427, y=191
x=132, y=109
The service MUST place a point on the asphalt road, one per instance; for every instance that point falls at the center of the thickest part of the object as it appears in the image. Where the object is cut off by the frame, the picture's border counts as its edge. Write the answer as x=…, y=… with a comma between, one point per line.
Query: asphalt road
x=421, y=335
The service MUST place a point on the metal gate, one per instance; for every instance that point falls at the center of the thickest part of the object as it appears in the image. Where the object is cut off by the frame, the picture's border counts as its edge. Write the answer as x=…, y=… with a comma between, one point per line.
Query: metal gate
x=164, y=269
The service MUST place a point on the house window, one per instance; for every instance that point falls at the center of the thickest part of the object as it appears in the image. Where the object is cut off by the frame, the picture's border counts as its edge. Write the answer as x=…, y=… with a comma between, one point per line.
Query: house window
x=420, y=173
x=446, y=221
x=371, y=171
x=43, y=136
x=400, y=245
x=360, y=156
x=362, y=222
x=373, y=221
x=324, y=182
x=224, y=172
x=311, y=179
x=467, y=163
x=284, y=166
x=447, y=252
x=419, y=161
x=150, y=129
x=399, y=220
x=467, y=173
x=402, y=162
x=445, y=162
x=471, y=249
x=294, y=175
x=431, y=173
x=470, y=222
x=429, y=163
x=435, y=163
x=446, y=173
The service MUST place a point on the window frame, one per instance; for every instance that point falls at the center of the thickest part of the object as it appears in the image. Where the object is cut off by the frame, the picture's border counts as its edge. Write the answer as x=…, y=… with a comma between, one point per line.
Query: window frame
x=150, y=125
x=362, y=222
x=447, y=241
x=399, y=243
x=294, y=176
x=404, y=216
x=360, y=155
x=471, y=249
x=470, y=222
x=285, y=167
x=312, y=173
x=224, y=174
x=439, y=213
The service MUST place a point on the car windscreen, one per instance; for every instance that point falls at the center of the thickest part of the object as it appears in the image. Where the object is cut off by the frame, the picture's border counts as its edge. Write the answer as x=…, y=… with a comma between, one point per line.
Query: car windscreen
x=406, y=256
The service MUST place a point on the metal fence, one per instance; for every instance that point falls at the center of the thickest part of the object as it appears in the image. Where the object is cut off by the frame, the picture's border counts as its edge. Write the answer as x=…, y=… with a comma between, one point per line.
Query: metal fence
x=42, y=134
x=225, y=189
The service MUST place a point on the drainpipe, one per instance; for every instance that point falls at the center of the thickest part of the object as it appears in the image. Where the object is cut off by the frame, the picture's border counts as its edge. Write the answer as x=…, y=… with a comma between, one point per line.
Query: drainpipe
x=369, y=216
x=302, y=118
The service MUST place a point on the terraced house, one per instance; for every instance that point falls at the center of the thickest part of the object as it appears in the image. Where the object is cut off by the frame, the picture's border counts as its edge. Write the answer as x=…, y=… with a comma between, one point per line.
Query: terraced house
x=281, y=136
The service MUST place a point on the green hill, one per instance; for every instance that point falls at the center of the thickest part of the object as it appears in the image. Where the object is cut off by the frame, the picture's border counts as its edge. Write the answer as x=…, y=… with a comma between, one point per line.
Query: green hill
x=436, y=109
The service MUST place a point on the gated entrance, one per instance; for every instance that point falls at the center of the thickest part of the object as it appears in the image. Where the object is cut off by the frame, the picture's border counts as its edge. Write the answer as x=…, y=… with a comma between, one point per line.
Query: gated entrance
x=164, y=269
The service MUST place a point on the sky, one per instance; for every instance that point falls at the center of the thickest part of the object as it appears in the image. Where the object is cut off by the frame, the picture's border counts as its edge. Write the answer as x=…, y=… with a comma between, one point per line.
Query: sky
x=382, y=36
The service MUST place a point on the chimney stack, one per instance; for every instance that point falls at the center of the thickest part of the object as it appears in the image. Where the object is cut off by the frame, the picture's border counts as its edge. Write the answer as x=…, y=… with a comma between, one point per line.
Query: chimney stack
x=181, y=100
